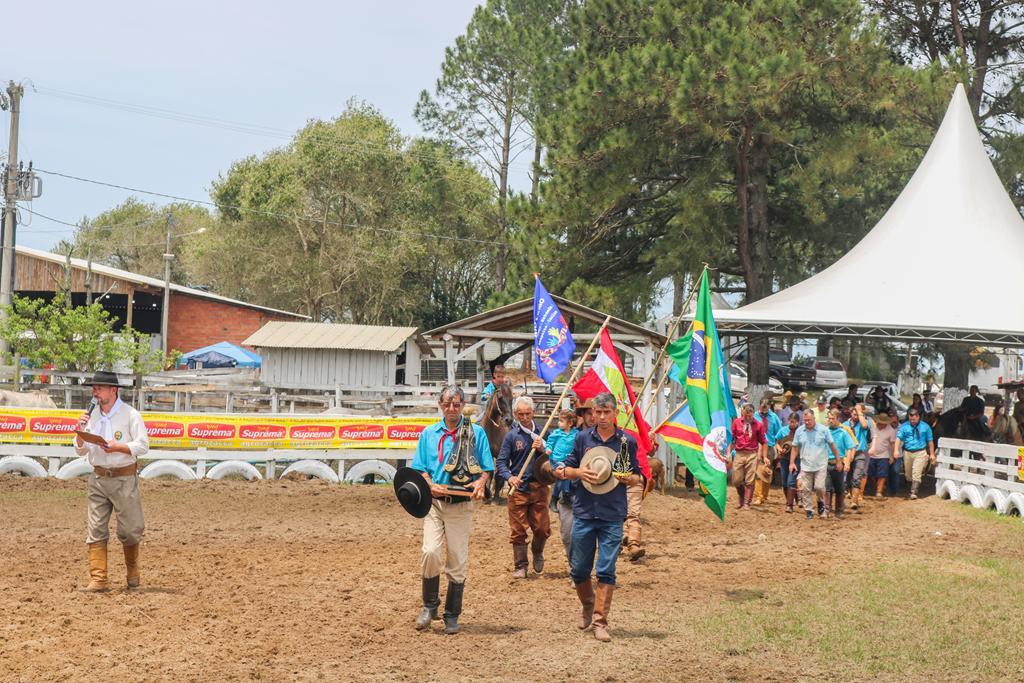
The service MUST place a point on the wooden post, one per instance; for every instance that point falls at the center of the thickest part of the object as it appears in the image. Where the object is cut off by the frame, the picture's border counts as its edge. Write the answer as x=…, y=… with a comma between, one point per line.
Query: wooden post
x=130, y=315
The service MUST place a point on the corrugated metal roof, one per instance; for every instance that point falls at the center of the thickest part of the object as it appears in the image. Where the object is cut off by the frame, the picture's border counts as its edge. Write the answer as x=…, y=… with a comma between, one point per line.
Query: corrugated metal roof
x=330, y=336
x=128, y=276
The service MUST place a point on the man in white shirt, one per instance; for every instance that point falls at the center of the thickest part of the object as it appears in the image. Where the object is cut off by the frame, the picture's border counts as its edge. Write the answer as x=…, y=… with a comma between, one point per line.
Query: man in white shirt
x=114, y=483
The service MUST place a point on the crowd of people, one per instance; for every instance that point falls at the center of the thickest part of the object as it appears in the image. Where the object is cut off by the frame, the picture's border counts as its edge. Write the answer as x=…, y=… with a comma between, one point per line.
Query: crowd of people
x=844, y=448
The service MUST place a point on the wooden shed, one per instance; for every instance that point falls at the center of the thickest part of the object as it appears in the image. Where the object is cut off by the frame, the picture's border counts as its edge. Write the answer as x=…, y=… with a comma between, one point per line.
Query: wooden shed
x=364, y=359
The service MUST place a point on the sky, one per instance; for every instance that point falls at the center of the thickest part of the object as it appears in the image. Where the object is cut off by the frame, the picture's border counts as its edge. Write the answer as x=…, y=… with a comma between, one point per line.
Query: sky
x=269, y=65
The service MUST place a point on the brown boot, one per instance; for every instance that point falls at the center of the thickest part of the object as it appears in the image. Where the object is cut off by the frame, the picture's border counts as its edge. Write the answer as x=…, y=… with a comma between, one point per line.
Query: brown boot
x=537, y=549
x=748, y=495
x=636, y=548
x=98, y=568
x=131, y=564
x=585, y=592
x=602, y=605
x=790, y=499
x=741, y=496
x=760, y=492
x=521, y=561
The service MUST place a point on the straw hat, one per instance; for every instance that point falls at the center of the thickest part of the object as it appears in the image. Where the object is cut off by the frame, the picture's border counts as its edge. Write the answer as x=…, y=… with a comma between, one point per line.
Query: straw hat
x=599, y=459
x=882, y=419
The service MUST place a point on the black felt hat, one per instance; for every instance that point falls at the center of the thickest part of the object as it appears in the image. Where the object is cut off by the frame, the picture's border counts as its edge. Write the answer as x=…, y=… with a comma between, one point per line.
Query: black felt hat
x=105, y=378
x=413, y=491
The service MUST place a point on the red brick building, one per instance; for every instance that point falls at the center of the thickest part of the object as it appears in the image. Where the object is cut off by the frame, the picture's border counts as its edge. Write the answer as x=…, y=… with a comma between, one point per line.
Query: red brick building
x=196, y=318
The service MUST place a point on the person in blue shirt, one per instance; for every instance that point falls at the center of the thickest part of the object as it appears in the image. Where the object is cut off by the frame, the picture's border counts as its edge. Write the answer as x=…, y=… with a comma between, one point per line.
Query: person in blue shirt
x=813, y=448
x=598, y=515
x=863, y=429
x=451, y=517
x=560, y=443
x=528, y=501
x=783, y=451
x=835, y=482
x=497, y=377
x=915, y=441
x=772, y=426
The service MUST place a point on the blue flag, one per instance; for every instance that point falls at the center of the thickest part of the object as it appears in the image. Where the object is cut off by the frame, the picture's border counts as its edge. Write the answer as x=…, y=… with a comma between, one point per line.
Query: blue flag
x=552, y=342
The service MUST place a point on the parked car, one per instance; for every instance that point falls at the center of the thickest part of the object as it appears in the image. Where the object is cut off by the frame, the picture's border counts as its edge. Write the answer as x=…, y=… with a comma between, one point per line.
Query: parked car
x=782, y=368
x=864, y=390
x=828, y=372
x=738, y=381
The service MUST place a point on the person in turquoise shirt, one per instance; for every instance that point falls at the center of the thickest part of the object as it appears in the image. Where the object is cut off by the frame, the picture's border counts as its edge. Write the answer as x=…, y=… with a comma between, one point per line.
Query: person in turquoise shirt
x=915, y=441
x=835, y=481
x=558, y=444
x=498, y=377
x=772, y=426
x=451, y=517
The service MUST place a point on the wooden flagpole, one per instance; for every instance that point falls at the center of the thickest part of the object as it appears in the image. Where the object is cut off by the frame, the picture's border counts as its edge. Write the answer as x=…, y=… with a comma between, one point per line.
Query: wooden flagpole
x=569, y=383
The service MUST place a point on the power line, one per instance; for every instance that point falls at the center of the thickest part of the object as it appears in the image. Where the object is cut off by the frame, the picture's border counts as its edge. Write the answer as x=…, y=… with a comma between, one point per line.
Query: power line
x=272, y=214
x=79, y=226
x=227, y=124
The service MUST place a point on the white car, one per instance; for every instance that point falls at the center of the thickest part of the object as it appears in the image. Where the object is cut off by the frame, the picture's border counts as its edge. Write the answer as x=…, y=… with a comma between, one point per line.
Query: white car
x=829, y=372
x=738, y=381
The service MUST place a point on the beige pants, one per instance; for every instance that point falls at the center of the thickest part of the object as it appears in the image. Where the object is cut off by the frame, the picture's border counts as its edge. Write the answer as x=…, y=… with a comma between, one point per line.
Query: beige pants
x=744, y=468
x=449, y=522
x=914, y=465
x=115, y=494
x=813, y=485
x=634, y=498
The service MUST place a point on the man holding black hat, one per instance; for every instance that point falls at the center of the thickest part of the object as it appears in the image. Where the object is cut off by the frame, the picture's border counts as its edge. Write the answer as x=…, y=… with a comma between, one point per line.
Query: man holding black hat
x=454, y=451
x=114, y=484
x=603, y=457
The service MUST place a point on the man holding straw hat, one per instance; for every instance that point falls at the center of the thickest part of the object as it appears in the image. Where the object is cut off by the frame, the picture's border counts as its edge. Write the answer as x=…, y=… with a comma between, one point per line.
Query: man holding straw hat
x=602, y=458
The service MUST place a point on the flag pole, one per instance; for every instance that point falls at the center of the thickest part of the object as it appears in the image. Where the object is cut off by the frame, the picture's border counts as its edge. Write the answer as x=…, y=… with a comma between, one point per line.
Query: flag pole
x=569, y=383
x=669, y=416
x=654, y=368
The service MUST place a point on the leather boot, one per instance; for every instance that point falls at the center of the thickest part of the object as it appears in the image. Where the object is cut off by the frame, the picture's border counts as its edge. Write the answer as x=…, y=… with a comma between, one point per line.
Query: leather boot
x=602, y=605
x=431, y=601
x=748, y=495
x=131, y=564
x=913, y=489
x=521, y=561
x=790, y=499
x=635, y=548
x=537, y=549
x=760, y=493
x=585, y=592
x=741, y=496
x=98, y=568
x=453, y=607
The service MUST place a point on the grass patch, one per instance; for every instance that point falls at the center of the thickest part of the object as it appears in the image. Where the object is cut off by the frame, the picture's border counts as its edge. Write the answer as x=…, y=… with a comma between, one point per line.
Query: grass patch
x=992, y=516
x=944, y=618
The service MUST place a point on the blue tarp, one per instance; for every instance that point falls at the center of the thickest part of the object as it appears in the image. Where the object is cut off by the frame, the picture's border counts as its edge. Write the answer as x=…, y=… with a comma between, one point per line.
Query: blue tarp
x=243, y=357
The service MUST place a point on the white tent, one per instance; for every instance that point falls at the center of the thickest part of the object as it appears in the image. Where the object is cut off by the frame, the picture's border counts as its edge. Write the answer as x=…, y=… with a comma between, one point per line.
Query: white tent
x=945, y=263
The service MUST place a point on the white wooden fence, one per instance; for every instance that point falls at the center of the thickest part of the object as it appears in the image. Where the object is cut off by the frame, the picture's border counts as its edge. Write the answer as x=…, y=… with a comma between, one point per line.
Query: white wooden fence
x=334, y=465
x=982, y=474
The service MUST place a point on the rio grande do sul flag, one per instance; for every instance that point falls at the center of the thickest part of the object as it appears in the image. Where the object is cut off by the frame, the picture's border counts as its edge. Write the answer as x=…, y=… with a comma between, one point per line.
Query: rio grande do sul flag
x=698, y=432
x=607, y=374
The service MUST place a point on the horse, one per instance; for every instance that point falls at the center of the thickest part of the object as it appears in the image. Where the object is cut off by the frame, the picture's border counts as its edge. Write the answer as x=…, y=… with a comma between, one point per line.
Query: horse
x=954, y=423
x=496, y=421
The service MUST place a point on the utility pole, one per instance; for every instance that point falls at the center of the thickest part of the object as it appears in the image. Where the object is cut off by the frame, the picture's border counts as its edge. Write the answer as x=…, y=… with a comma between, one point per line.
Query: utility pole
x=14, y=93
x=168, y=256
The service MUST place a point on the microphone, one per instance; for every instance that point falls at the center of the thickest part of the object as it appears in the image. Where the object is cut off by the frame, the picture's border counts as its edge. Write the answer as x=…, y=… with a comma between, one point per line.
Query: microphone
x=93, y=404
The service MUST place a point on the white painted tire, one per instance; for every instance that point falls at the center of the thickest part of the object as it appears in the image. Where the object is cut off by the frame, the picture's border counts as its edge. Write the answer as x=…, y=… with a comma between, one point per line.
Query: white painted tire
x=172, y=467
x=239, y=467
x=22, y=464
x=313, y=468
x=1015, y=504
x=356, y=473
x=79, y=467
x=969, y=493
x=947, y=489
x=994, y=499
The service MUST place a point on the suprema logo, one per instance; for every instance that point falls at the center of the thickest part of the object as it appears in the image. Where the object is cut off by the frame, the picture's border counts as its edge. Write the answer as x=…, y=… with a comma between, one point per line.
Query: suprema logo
x=262, y=432
x=404, y=432
x=312, y=432
x=11, y=423
x=361, y=433
x=211, y=430
x=53, y=425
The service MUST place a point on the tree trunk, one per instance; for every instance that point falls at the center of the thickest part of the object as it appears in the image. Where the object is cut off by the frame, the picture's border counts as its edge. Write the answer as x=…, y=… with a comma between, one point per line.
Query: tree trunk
x=535, y=176
x=957, y=362
x=752, y=239
x=506, y=151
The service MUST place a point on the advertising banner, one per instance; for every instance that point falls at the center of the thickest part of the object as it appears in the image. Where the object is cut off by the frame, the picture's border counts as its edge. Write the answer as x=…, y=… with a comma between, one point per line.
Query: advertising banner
x=224, y=432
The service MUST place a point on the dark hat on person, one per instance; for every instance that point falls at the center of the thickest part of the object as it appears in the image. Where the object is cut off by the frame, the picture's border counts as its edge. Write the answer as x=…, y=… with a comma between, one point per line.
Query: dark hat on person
x=542, y=471
x=413, y=492
x=105, y=378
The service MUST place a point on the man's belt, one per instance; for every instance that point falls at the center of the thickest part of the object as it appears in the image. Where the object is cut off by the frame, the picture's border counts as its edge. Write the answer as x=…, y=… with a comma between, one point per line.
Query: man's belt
x=913, y=450
x=126, y=471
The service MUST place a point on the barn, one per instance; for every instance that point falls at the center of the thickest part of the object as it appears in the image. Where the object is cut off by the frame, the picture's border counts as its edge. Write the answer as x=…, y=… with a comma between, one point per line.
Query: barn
x=365, y=359
x=196, y=317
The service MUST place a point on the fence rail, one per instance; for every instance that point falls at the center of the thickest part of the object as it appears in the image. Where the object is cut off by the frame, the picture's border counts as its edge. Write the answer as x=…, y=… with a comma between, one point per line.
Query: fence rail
x=984, y=475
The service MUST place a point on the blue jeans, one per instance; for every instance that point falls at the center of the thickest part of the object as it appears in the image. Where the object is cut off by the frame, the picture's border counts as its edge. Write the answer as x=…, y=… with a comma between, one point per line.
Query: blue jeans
x=592, y=537
x=788, y=478
x=896, y=479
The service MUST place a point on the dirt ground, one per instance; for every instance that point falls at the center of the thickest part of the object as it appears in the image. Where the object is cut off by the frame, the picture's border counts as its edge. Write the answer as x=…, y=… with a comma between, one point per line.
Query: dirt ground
x=307, y=580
